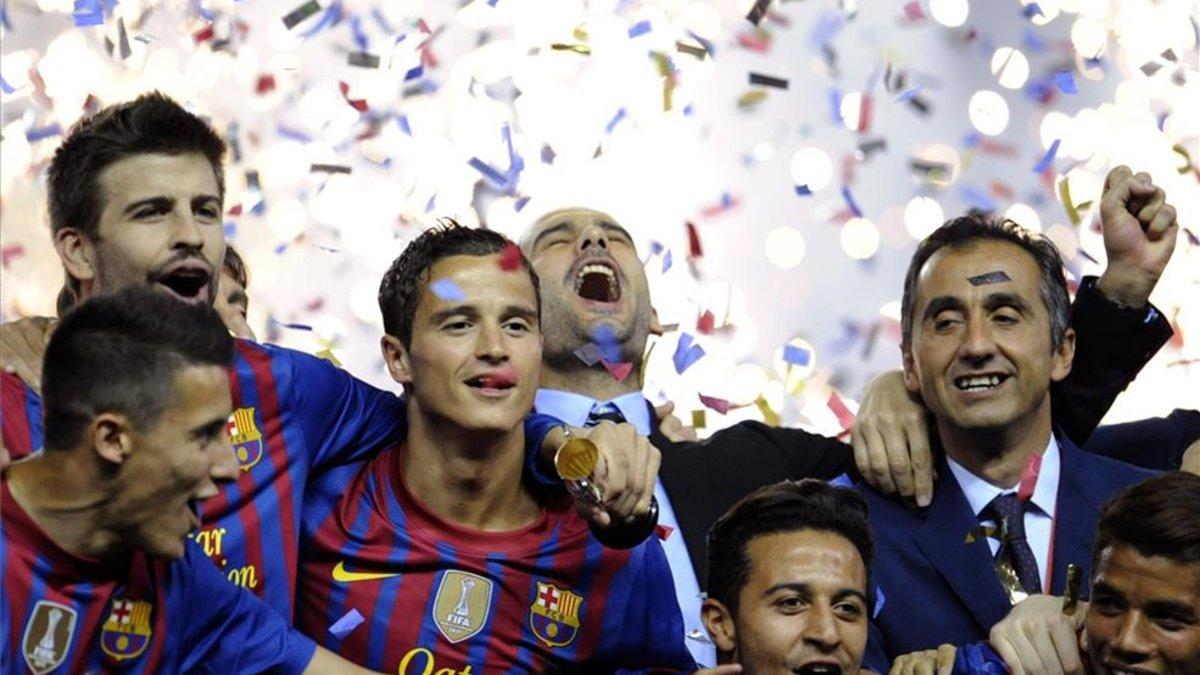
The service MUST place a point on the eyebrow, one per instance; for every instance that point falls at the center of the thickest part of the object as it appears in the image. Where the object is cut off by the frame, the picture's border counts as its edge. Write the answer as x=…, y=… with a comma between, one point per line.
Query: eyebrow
x=940, y=304
x=994, y=300
x=552, y=230
x=470, y=312
x=1182, y=610
x=805, y=589
x=210, y=428
x=168, y=203
x=239, y=297
x=565, y=226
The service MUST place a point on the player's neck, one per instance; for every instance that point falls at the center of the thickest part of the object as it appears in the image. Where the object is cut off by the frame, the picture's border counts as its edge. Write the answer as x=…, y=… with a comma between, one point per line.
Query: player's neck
x=60, y=492
x=594, y=382
x=999, y=456
x=472, y=479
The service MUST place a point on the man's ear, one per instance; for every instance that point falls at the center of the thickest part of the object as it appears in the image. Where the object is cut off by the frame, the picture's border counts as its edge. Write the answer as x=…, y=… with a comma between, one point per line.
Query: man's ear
x=77, y=253
x=719, y=622
x=395, y=357
x=111, y=435
x=911, y=382
x=1060, y=364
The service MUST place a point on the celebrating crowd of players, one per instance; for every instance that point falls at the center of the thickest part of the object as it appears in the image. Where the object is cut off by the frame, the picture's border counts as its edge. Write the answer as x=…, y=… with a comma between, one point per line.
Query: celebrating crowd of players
x=183, y=501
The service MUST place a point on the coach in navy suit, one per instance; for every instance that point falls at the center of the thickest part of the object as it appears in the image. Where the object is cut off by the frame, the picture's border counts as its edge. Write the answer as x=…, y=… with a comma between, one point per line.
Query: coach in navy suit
x=985, y=333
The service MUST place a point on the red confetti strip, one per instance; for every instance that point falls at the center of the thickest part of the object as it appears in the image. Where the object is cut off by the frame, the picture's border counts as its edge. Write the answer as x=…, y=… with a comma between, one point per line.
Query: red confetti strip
x=864, y=114
x=838, y=406
x=358, y=104
x=235, y=210
x=754, y=43
x=510, y=257
x=705, y=324
x=694, y=248
x=203, y=34
x=9, y=252
x=265, y=84
x=619, y=371
x=718, y=404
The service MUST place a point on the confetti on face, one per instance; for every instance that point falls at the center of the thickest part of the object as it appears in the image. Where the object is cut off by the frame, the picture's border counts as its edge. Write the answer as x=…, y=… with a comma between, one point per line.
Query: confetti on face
x=995, y=277
x=619, y=371
x=589, y=354
x=343, y=626
x=447, y=290
x=510, y=257
x=607, y=342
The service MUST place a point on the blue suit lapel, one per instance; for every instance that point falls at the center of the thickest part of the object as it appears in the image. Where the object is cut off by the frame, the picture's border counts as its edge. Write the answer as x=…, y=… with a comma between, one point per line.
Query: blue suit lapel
x=1075, y=523
x=967, y=568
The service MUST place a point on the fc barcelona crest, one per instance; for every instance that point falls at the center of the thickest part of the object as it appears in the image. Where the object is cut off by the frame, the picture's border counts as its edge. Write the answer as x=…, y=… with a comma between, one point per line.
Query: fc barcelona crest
x=127, y=632
x=48, y=636
x=461, y=606
x=245, y=437
x=554, y=615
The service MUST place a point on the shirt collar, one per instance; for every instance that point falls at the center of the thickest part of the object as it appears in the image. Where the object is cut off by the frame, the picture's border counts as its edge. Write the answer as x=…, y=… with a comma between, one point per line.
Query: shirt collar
x=573, y=409
x=980, y=493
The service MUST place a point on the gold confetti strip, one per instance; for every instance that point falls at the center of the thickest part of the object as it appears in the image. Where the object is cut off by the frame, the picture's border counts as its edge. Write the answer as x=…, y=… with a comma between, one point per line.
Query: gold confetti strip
x=751, y=98
x=1187, y=159
x=578, y=49
x=699, y=419
x=769, y=416
x=327, y=354
x=1064, y=195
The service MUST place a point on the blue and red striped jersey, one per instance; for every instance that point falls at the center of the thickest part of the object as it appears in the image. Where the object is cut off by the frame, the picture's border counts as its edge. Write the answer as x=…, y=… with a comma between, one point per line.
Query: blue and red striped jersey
x=431, y=596
x=62, y=613
x=294, y=414
x=21, y=411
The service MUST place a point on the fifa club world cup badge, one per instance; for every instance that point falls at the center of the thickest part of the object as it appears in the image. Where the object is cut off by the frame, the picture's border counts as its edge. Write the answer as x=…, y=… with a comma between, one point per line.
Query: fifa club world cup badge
x=462, y=605
x=48, y=636
x=245, y=437
x=554, y=615
x=127, y=632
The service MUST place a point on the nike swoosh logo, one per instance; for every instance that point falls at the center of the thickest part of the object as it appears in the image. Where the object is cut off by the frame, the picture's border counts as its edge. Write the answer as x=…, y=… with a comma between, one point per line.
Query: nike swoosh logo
x=342, y=575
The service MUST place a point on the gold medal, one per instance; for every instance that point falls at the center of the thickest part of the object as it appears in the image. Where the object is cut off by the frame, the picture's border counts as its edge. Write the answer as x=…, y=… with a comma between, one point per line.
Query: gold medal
x=576, y=459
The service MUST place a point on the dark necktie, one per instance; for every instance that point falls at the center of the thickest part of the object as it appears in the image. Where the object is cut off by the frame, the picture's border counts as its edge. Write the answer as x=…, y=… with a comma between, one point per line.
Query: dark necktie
x=1010, y=510
x=604, y=413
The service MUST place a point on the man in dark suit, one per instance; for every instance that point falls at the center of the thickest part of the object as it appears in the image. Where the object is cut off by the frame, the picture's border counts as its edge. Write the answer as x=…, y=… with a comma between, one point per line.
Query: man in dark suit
x=591, y=277
x=985, y=333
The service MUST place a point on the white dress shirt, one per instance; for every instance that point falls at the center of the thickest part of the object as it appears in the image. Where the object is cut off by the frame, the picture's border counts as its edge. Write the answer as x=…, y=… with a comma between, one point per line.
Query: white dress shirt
x=574, y=409
x=1039, y=515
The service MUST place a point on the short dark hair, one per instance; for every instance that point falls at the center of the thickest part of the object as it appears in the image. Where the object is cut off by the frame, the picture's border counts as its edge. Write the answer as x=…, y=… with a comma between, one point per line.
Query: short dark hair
x=1156, y=517
x=963, y=232
x=401, y=285
x=235, y=266
x=65, y=300
x=787, y=506
x=150, y=124
x=120, y=353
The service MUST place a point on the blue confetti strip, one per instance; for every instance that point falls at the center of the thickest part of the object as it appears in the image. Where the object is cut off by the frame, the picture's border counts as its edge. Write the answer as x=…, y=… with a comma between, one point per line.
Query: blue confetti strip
x=640, y=28
x=1065, y=82
x=1033, y=42
x=842, y=480
x=803, y=191
x=402, y=120
x=908, y=95
x=230, y=230
x=835, y=104
x=606, y=341
x=293, y=326
x=686, y=353
x=520, y=204
x=655, y=248
x=43, y=132
x=4, y=16
x=879, y=602
x=5, y=86
x=612, y=124
x=88, y=13
x=382, y=21
x=447, y=290
x=797, y=356
x=707, y=44
x=1031, y=10
x=343, y=626
x=977, y=198
x=850, y=201
x=415, y=72
x=360, y=35
x=666, y=262
x=1048, y=158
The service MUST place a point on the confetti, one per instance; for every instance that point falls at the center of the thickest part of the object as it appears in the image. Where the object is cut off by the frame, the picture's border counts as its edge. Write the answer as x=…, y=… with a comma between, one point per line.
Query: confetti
x=640, y=28
x=1066, y=82
x=362, y=59
x=43, y=132
x=666, y=262
x=843, y=414
x=797, y=356
x=751, y=98
x=296, y=16
x=447, y=290
x=769, y=416
x=697, y=51
x=589, y=354
x=1047, y=159
x=607, y=342
x=327, y=354
x=912, y=11
x=803, y=191
x=686, y=353
x=699, y=419
x=995, y=277
x=612, y=124
x=583, y=50
x=757, y=12
x=1031, y=10
x=510, y=257
x=88, y=13
x=849, y=199
x=768, y=81
x=694, y=248
x=619, y=371
x=329, y=168
x=293, y=326
x=713, y=403
x=1064, y=195
x=704, y=325
x=909, y=94
x=349, y=621
x=10, y=252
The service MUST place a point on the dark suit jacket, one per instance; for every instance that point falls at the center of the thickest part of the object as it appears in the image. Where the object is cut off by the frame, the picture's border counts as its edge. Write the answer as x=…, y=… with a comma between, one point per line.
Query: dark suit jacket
x=939, y=589
x=704, y=479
